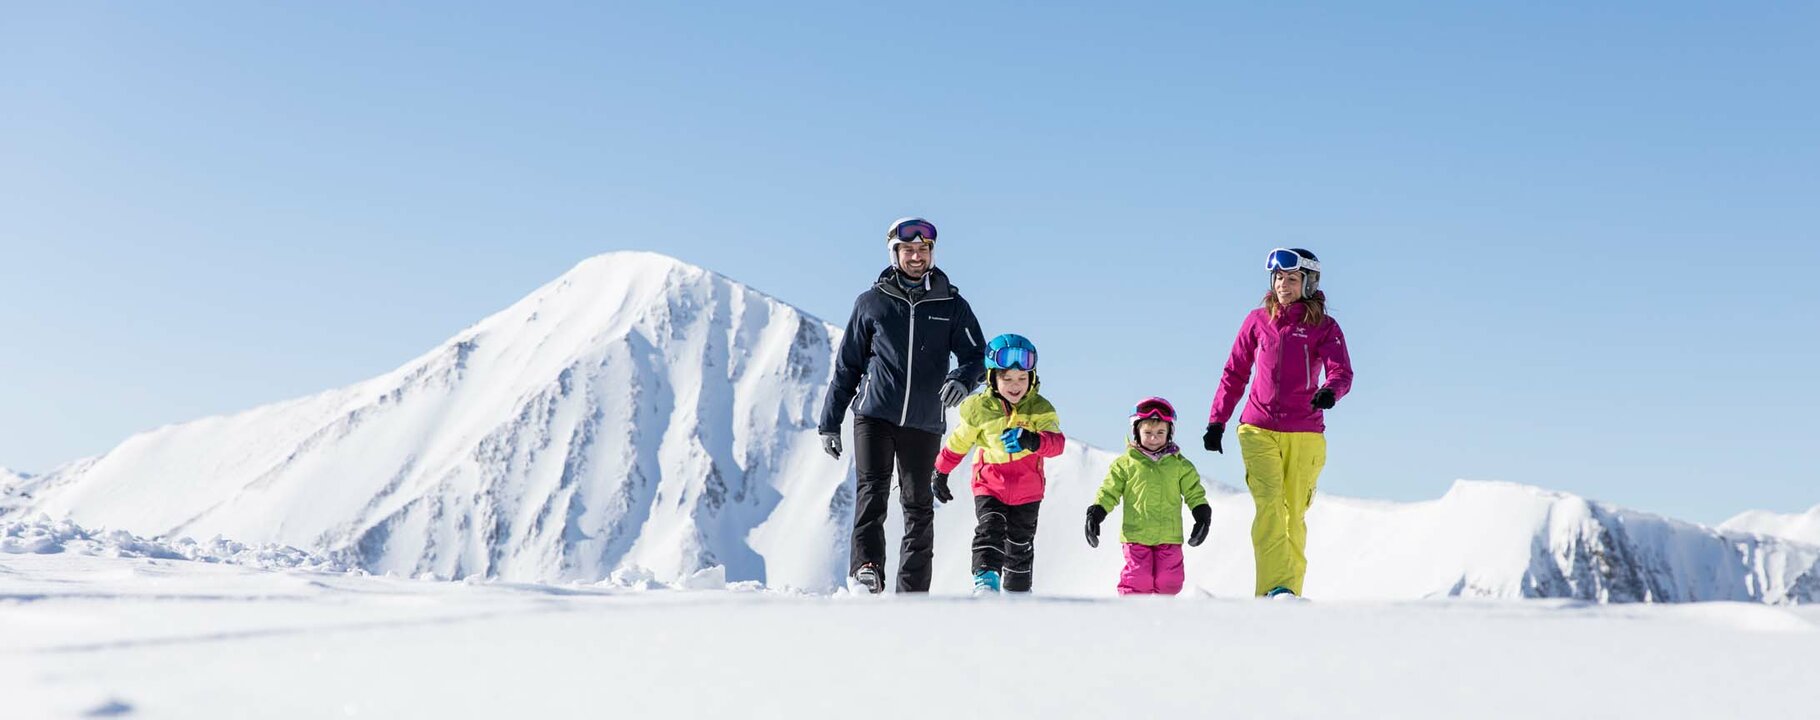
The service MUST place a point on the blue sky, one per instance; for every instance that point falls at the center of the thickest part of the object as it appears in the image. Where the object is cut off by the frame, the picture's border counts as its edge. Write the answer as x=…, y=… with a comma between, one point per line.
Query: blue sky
x=1570, y=247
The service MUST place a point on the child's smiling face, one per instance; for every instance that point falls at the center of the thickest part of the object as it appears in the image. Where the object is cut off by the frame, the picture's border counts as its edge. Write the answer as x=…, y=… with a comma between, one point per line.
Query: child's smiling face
x=1012, y=384
x=1153, y=434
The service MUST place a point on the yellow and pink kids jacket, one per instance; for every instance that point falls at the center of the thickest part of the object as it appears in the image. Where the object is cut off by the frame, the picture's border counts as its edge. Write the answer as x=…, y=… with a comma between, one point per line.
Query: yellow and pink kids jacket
x=1014, y=479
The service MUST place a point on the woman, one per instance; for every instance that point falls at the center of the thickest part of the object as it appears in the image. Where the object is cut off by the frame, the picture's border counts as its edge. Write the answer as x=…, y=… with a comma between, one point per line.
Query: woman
x=1292, y=340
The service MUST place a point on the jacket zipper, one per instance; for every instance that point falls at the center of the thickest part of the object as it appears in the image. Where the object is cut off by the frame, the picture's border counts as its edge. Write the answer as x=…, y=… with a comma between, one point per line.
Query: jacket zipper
x=909, y=365
x=910, y=359
x=1308, y=366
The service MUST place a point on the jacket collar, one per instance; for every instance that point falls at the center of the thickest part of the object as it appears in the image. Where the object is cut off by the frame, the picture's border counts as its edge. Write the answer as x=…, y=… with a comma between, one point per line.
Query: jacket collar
x=1170, y=449
x=1005, y=406
x=935, y=284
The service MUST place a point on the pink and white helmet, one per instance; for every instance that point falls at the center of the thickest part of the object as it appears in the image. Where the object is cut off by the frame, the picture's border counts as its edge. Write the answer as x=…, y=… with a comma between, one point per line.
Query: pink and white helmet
x=1153, y=408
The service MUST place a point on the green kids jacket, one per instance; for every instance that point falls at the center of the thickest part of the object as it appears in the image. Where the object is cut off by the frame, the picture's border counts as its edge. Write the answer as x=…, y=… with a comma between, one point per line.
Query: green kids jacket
x=1154, y=490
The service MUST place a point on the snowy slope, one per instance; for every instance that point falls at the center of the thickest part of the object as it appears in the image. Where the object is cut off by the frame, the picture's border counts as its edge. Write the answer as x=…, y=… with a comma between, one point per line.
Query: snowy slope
x=643, y=416
x=144, y=638
x=636, y=411
x=1802, y=527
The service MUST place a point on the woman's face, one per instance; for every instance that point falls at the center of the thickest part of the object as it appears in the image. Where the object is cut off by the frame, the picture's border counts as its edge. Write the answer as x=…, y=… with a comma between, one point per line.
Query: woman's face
x=1287, y=285
x=1012, y=384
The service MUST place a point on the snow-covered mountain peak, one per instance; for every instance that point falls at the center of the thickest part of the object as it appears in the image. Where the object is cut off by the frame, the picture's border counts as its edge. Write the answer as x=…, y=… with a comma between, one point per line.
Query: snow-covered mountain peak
x=1797, y=527
x=633, y=411
x=607, y=291
x=601, y=301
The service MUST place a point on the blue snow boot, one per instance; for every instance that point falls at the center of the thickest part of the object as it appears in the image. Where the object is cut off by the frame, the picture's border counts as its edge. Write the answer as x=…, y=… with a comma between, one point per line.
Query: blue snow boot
x=1281, y=593
x=985, y=582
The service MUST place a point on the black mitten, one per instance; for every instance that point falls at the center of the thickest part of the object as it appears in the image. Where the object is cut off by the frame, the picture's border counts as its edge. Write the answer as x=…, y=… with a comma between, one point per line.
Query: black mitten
x=1323, y=399
x=1211, y=440
x=1095, y=514
x=1203, y=520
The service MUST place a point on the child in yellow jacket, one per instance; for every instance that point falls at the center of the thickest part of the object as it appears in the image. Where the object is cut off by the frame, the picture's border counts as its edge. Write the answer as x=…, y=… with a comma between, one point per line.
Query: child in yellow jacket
x=1015, y=428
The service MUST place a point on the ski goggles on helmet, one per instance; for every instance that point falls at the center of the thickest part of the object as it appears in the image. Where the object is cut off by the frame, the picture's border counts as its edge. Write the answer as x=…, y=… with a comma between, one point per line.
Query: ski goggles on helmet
x=909, y=229
x=1012, y=358
x=1290, y=261
x=1154, y=408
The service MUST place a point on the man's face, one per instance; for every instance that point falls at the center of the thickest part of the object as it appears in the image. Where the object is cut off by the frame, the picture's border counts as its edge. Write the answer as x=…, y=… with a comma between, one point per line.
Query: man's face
x=913, y=258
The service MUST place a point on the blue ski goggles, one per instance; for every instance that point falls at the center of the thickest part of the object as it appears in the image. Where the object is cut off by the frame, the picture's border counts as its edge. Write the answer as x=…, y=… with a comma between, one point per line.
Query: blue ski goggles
x=1012, y=358
x=912, y=229
x=1289, y=261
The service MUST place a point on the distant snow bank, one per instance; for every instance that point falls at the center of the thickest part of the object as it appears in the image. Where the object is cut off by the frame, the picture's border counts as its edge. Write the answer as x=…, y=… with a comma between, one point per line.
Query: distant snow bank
x=43, y=536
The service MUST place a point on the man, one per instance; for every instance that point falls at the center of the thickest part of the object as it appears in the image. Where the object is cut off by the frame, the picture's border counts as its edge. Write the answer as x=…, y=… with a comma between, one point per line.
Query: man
x=893, y=370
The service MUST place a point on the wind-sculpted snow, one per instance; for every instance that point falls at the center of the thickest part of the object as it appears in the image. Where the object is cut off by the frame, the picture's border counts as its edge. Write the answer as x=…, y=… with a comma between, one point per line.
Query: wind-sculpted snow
x=12, y=490
x=643, y=418
x=44, y=536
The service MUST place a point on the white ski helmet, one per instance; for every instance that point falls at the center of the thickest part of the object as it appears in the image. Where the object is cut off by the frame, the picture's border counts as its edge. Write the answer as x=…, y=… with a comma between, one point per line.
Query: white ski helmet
x=910, y=229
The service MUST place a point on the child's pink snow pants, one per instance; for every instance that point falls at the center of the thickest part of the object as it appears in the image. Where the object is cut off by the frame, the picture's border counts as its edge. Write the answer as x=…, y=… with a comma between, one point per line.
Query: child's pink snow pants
x=1151, y=570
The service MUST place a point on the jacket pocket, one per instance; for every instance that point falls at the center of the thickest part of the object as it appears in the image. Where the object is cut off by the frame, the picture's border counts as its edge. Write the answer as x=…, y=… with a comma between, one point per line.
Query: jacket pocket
x=859, y=398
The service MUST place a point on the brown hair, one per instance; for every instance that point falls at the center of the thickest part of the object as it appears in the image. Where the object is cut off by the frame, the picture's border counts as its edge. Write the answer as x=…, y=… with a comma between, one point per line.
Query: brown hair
x=1313, y=309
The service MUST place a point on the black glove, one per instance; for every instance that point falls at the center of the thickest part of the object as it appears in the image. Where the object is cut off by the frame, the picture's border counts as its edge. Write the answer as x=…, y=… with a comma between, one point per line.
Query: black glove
x=1211, y=440
x=1323, y=399
x=1018, y=439
x=1203, y=519
x=831, y=444
x=942, y=492
x=953, y=392
x=1095, y=514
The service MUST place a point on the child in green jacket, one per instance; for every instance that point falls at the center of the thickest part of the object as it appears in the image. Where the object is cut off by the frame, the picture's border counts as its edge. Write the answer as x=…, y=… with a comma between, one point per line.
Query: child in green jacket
x=1154, y=481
